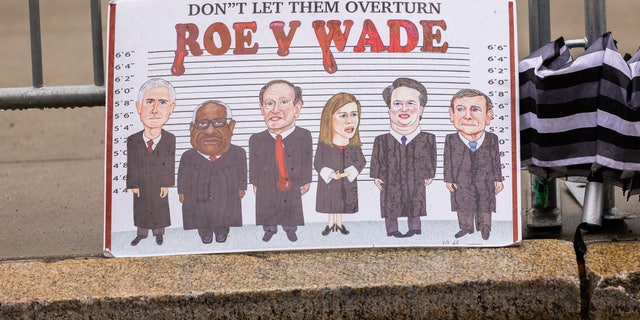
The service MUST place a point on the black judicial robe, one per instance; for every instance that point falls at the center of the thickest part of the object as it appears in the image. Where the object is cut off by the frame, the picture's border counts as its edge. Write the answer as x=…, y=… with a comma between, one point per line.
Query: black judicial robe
x=211, y=189
x=275, y=207
x=403, y=170
x=337, y=196
x=149, y=173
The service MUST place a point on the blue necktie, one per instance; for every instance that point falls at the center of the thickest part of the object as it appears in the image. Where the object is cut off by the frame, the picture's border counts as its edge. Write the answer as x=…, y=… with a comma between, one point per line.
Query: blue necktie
x=404, y=140
x=473, y=145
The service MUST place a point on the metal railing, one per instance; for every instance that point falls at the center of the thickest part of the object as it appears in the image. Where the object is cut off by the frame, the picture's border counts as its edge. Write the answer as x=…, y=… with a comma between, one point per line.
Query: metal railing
x=41, y=96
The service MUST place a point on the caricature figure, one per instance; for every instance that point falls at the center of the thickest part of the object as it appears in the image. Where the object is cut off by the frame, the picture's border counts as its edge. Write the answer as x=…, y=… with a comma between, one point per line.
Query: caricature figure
x=338, y=160
x=212, y=177
x=151, y=160
x=403, y=162
x=280, y=166
x=472, y=162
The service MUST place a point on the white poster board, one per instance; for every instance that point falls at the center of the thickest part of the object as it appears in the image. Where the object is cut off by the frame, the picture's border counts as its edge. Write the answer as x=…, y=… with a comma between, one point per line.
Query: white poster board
x=227, y=51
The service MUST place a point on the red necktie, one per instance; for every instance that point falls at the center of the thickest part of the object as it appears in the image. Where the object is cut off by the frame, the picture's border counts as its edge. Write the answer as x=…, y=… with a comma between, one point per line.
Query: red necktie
x=283, y=181
x=149, y=146
x=213, y=158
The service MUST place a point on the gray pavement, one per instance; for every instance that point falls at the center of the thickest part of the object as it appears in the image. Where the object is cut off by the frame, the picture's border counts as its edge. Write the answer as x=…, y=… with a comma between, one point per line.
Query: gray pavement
x=51, y=226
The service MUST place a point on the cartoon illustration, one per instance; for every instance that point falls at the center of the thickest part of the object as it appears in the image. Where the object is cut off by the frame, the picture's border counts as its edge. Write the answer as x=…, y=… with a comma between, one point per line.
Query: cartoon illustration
x=472, y=162
x=280, y=166
x=212, y=177
x=338, y=160
x=403, y=162
x=151, y=160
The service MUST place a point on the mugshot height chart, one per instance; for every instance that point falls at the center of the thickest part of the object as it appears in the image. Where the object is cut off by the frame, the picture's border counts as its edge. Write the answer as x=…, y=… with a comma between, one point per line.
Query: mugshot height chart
x=228, y=51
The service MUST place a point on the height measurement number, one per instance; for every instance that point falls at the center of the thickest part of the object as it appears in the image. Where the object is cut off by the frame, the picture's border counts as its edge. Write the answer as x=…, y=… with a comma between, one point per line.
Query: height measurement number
x=498, y=82
x=124, y=116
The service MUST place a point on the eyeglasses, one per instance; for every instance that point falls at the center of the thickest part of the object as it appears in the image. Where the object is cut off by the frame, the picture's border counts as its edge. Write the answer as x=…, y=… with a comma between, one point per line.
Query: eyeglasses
x=202, y=124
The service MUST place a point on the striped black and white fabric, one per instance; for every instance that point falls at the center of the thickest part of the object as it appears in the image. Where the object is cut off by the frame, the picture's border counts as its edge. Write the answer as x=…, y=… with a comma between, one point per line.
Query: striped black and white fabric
x=580, y=115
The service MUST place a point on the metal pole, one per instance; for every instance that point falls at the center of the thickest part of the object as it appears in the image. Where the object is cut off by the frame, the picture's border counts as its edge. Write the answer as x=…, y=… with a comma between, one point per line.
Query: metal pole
x=539, y=23
x=36, y=44
x=51, y=97
x=595, y=26
x=544, y=210
x=595, y=18
x=96, y=37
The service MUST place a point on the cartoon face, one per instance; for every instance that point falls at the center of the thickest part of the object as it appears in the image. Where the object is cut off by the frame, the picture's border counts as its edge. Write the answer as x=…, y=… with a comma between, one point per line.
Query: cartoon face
x=405, y=110
x=344, y=123
x=156, y=107
x=469, y=116
x=211, y=132
x=278, y=109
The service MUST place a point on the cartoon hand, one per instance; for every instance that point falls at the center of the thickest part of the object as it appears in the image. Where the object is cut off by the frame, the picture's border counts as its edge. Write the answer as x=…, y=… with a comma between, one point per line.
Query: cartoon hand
x=335, y=175
x=254, y=189
x=181, y=197
x=304, y=188
x=242, y=193
x=451, y=186
x=136, y=191
x=427, y=182
x=164, y=191
x=499, y=187
x=379, y=183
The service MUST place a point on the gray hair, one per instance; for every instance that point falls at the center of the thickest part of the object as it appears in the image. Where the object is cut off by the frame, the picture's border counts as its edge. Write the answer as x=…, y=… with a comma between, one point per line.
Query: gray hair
x=157, y=82
x=218, y=102
x=470, y=93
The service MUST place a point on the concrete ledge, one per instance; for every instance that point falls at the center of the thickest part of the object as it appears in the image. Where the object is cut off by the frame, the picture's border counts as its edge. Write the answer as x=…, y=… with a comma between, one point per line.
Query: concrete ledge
x=538, y=279
x=613, y=270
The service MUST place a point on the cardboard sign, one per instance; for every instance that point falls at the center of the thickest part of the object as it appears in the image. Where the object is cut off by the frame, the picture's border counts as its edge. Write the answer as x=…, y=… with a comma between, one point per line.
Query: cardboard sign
x=282, y=125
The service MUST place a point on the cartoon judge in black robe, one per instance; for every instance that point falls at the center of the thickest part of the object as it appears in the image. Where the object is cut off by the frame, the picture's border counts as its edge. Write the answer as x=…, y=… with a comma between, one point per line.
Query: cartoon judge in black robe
x=151, y=160
x=280, y=167
x=472, y=171
x=338, y=160
x=212, y=177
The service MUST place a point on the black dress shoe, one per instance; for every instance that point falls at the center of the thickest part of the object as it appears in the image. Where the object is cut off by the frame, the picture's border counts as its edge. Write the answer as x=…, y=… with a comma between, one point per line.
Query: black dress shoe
x=326, y=230
x=343, y=229
x=159, y=239
x=462, y=233
x=206, y=239
x=221, y=237
x=485, y=235
x=136, y=240
x=291, y=235
x=396, y=234
x=267, y=236
x=411, y=233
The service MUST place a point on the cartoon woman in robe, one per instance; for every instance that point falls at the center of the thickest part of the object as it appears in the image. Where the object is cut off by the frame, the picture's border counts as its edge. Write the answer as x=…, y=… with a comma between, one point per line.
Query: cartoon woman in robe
x=338, y=160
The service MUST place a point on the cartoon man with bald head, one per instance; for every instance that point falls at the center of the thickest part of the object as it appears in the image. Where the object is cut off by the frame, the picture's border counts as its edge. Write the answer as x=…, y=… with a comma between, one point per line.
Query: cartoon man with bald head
x=280, y=161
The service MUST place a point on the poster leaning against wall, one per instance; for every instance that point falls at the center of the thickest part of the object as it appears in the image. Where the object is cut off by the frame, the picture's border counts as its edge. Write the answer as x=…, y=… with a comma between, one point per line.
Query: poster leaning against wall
x=282, y=125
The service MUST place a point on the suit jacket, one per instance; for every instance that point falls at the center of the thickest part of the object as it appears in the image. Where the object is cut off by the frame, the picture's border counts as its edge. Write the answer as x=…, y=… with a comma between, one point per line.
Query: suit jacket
x=338, y=196
x=275, y=207
x=475, y=173
x=149, y=173
x=211, y=189
x=403, y=170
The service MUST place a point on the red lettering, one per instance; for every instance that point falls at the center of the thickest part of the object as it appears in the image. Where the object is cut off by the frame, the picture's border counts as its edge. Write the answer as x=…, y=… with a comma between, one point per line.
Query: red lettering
x=369, y=37
x=336, y=35
x=243, y=38
x=284, y=40
x=394, y=35
x=182, y=29
x=225, y=39
x=429, y=36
